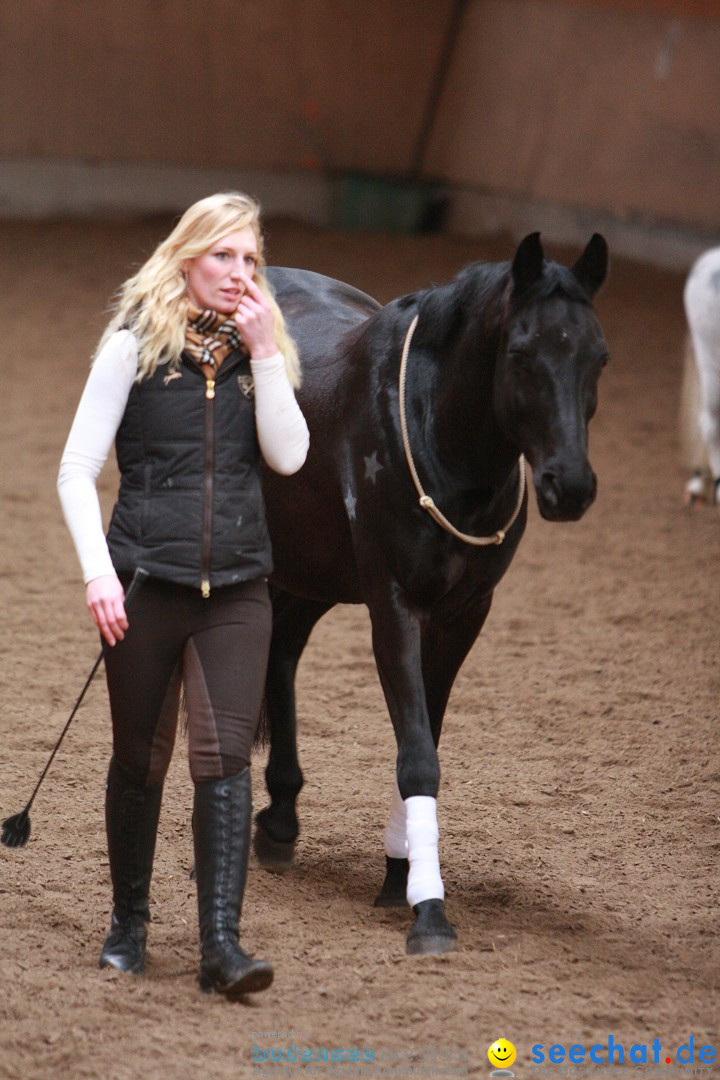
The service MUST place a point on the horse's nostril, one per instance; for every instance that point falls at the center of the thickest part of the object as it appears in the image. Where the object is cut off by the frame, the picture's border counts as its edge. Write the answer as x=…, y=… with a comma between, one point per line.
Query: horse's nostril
x=550, y=487
x=565, y=495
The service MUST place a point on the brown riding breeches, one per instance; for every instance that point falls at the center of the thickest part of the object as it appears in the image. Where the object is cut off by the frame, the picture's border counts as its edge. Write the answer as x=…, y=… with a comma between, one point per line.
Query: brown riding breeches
x=217, y=648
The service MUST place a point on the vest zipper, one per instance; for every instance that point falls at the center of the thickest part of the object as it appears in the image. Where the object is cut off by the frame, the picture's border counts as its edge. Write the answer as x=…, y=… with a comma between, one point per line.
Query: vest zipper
x=208, y=485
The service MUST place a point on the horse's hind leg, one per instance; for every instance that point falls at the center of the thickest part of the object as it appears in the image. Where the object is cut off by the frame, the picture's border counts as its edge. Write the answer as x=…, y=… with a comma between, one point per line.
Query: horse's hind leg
x=700, y=402
x=276, y=827
x=708, y=360
x=694, y=450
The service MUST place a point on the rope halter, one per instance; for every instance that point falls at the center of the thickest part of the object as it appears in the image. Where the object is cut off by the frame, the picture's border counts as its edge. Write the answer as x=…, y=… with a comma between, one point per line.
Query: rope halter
x=426, y=501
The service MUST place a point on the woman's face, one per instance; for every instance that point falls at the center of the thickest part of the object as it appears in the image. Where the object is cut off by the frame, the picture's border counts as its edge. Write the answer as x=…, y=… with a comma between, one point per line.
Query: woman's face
x=215, y=278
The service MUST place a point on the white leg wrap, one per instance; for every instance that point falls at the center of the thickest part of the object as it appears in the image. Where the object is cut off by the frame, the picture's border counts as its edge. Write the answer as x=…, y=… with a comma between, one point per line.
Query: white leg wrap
x=424, y=881
x=396, y=846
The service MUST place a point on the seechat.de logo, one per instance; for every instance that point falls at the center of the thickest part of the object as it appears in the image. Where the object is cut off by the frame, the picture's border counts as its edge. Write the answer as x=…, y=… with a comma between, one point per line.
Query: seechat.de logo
x=615, y=1054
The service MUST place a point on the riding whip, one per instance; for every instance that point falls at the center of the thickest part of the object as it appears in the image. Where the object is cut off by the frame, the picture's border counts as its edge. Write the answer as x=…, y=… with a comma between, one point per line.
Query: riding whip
x=16, y=829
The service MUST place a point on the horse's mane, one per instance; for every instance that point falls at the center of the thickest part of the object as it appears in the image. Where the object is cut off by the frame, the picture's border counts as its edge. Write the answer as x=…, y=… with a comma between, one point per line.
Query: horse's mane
x=472, y=293
x=481, y=291
x=556, y=280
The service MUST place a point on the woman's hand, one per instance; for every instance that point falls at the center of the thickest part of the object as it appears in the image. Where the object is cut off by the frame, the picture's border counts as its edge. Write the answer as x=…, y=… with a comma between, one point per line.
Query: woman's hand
x=256, y=321
x=105, y=598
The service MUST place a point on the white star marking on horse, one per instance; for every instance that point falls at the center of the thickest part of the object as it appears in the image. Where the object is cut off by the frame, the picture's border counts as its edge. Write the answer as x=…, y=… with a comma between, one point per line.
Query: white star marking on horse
x=372, y=466
x=350, y=504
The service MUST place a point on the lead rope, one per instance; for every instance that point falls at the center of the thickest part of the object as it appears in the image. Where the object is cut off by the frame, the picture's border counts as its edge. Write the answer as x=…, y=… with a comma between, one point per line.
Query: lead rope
x=426, y=501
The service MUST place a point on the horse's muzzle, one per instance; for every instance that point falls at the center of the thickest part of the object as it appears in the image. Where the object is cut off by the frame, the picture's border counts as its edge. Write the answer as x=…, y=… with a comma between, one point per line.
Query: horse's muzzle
x=565, y=495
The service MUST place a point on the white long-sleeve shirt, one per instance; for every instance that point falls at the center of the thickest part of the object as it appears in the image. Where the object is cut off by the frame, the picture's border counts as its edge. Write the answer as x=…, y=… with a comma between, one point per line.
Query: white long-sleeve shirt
x=281, y=428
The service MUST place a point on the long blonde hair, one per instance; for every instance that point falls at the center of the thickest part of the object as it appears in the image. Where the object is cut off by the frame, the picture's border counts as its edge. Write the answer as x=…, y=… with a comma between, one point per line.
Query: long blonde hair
x=153, y=303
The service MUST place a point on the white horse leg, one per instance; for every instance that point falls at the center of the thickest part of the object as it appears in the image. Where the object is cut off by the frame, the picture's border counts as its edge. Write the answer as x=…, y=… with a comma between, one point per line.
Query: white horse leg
x=432, y=933
x=424, y=881
x=412, y=833
x=395, y=837
x=394, y=888
x=413, y=871
x=694, y=451
x=702, y=307
x=709, y=374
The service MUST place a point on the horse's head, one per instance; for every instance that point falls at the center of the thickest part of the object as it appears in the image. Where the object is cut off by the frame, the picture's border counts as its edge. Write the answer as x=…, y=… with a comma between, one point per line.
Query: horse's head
x=547, y=371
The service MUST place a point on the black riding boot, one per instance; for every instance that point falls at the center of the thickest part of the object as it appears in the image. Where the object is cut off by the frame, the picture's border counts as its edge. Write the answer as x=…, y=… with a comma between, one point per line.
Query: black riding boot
x=221, y=830
x=131, y=819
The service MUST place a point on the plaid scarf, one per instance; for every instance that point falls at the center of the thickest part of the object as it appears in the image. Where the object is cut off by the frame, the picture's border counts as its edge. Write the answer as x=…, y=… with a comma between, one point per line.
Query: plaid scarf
x=210, y=336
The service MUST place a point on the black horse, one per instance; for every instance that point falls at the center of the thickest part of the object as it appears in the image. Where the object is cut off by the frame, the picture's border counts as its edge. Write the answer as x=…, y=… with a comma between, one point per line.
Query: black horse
x=503, y=363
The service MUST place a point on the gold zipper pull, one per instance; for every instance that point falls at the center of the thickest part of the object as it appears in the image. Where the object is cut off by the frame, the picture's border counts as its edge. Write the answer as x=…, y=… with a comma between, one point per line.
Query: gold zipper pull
x=210, y=389
x=205, y=588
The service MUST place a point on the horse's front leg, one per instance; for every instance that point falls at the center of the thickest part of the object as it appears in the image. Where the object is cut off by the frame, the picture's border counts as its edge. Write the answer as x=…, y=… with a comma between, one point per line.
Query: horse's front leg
x=397, y=647
x=446, y=642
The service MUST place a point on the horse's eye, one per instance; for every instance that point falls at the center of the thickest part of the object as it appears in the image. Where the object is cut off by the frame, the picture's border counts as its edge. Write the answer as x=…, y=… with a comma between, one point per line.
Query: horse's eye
x=517, y=356
x=604, y=359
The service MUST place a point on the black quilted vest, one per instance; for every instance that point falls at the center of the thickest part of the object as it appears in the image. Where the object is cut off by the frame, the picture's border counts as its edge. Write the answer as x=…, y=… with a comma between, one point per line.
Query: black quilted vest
x=190, y=507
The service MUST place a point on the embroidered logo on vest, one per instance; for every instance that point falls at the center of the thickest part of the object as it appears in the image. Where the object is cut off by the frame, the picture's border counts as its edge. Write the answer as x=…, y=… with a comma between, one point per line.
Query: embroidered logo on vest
x=247, y=385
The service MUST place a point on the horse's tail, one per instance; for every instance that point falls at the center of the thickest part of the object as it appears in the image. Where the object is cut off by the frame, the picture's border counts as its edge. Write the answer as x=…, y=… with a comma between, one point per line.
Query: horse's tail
x=262, y=732
x=692, y=446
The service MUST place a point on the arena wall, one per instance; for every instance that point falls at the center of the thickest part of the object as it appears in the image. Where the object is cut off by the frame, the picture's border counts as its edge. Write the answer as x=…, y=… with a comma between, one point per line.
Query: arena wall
x=560, y=114
x=573, y=113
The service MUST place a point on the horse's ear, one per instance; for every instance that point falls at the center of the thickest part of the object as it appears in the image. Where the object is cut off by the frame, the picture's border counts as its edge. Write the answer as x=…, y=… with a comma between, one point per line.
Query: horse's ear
x=591, y=267
x=527, y=265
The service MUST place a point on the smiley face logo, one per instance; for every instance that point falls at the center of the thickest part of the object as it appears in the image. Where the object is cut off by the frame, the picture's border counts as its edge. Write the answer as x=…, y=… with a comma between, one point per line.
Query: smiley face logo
x=502, y=1053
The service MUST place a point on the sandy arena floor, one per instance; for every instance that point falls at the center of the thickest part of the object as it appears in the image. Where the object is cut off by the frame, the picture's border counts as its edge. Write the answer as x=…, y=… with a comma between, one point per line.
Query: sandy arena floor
x=580, y=802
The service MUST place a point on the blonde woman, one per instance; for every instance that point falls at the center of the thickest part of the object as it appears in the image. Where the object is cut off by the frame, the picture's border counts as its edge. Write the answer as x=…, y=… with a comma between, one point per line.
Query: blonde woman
x=193, y=380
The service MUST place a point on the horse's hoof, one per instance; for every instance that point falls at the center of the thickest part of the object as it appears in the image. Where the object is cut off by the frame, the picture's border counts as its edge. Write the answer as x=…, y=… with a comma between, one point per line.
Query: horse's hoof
x=699, y=490
x=394, y=887
x=432, y=934
x=432, y=945
x=273, y=855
